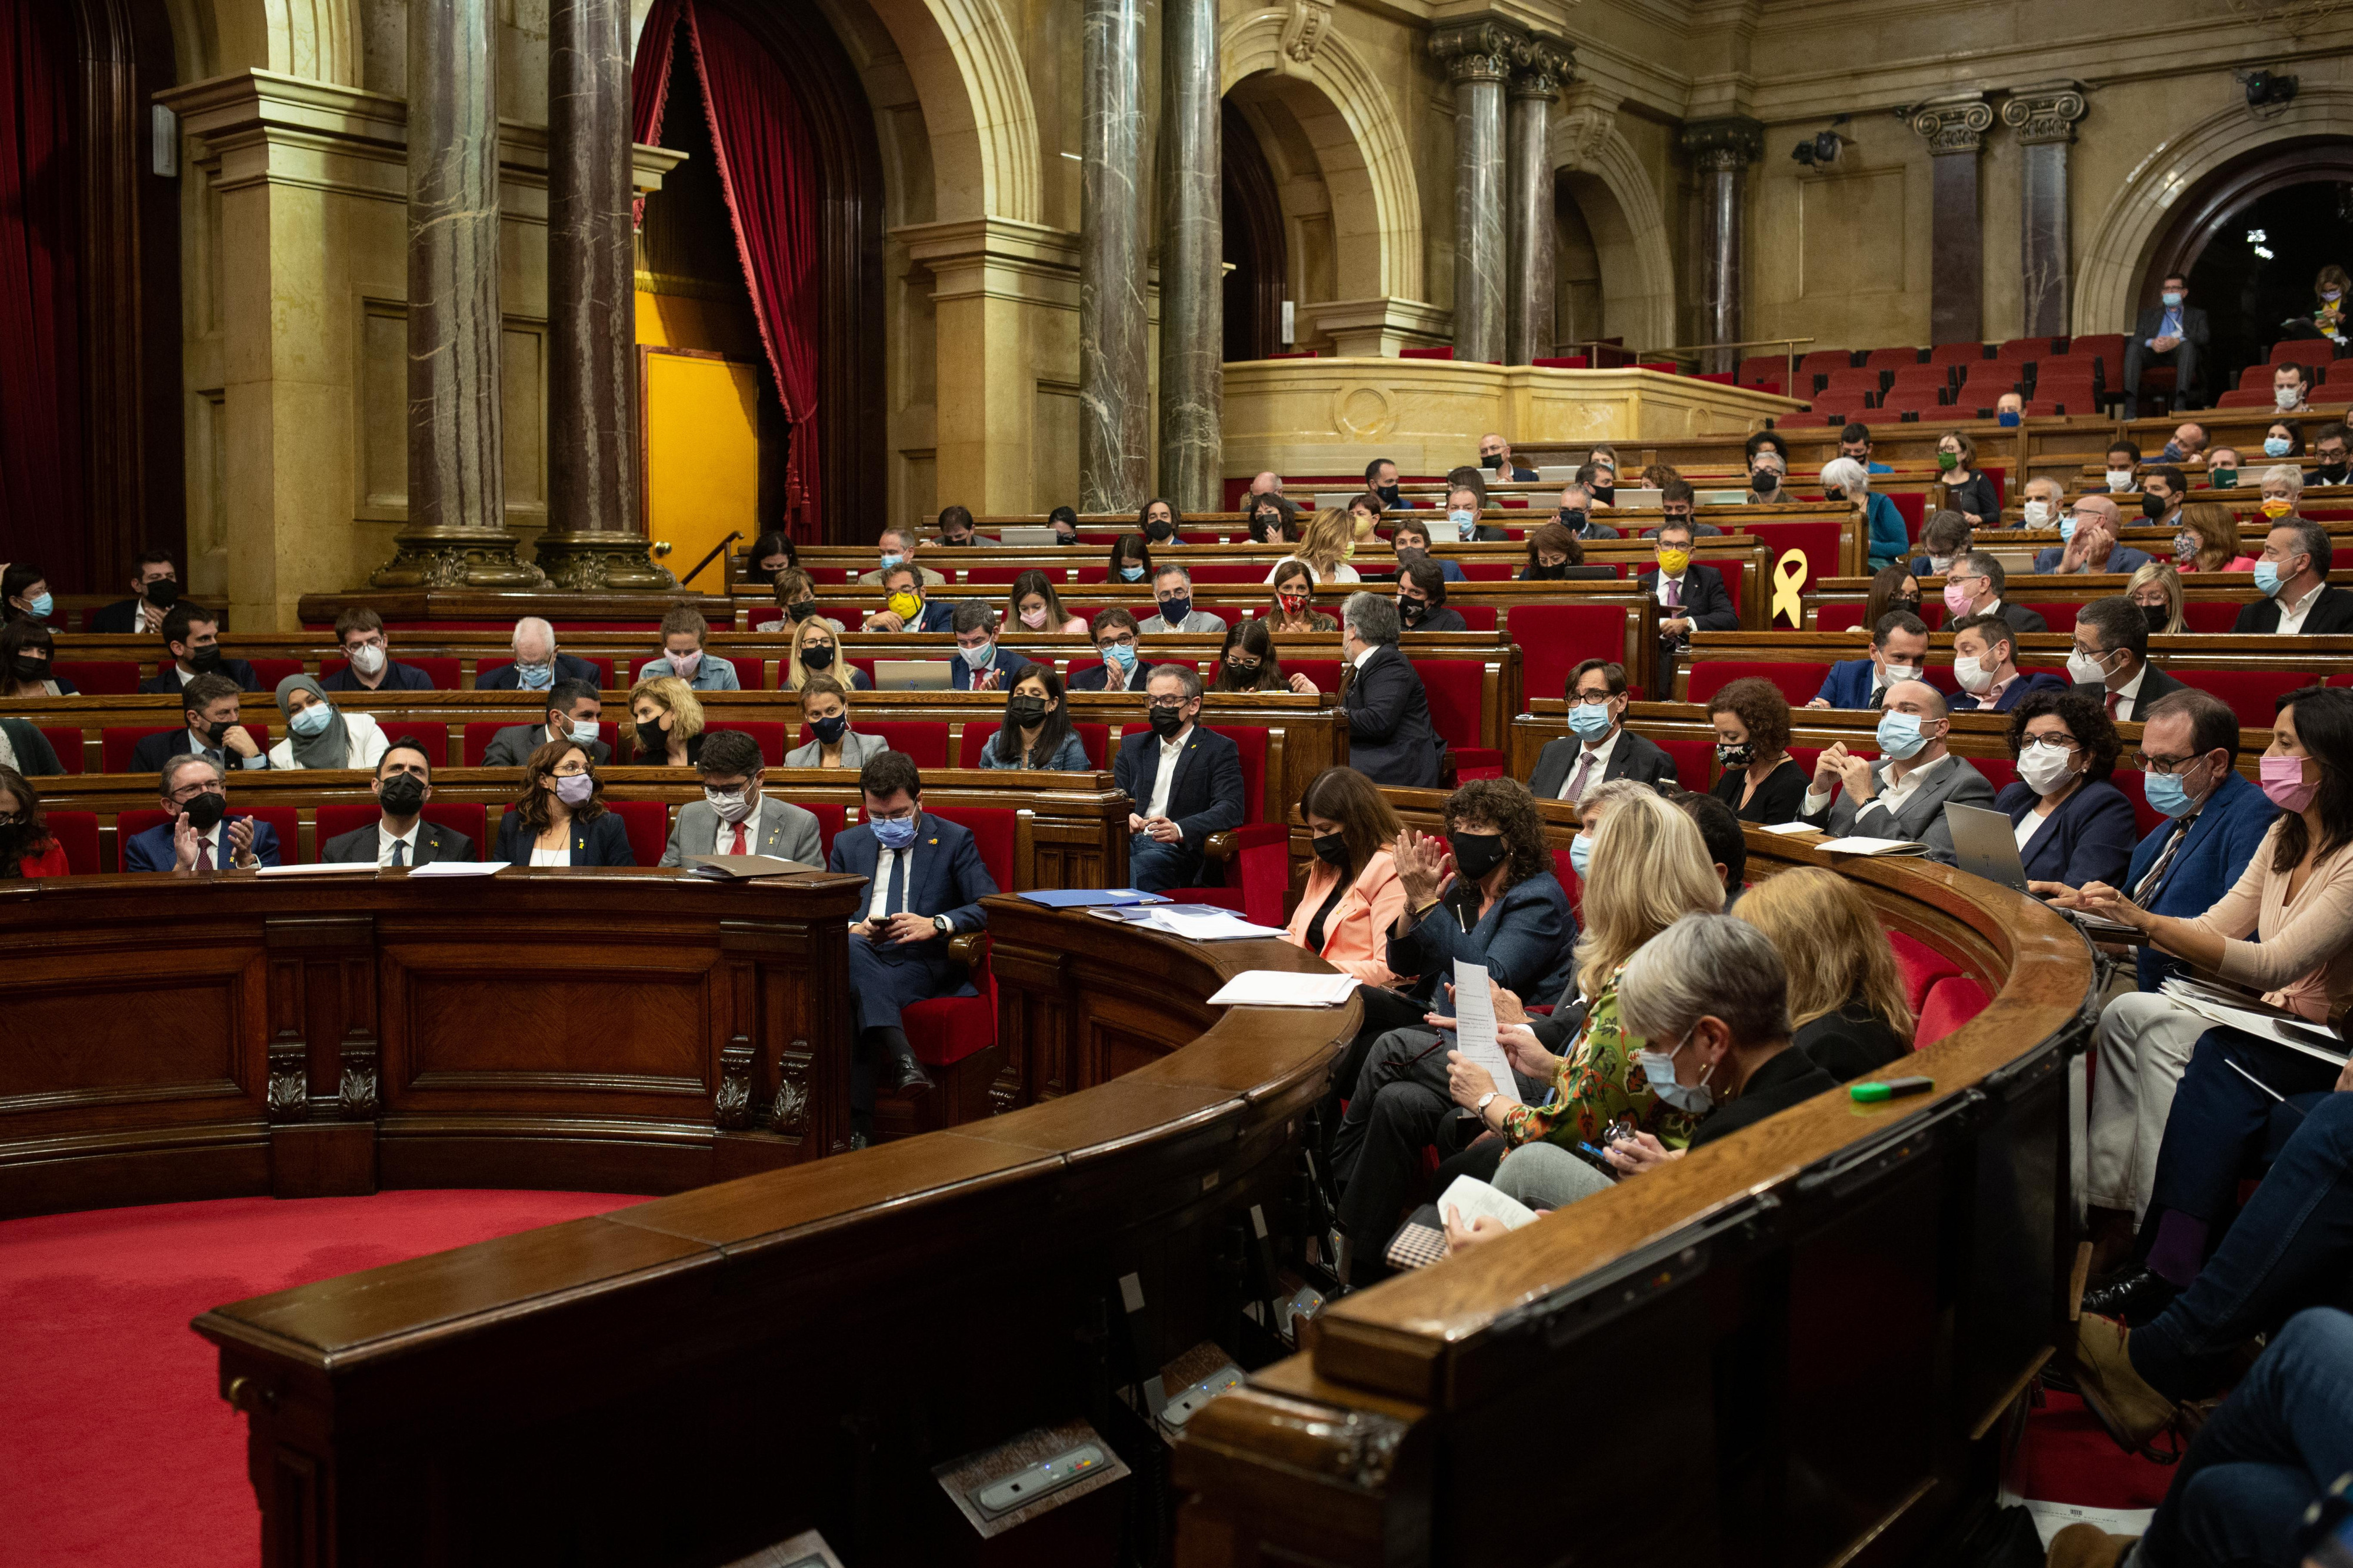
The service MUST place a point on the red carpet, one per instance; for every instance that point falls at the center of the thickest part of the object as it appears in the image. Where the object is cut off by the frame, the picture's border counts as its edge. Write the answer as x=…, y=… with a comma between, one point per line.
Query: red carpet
x=114, y=1448
x=2067, y=1468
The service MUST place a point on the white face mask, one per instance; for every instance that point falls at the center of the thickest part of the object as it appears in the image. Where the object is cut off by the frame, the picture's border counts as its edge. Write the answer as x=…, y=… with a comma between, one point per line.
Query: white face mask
x=1894, y=670
x=2119, y=478
x=2088, y=669
x=682, y=665
x=1973, y=675
x=2038, y=514
x=368, y=659
x=733, y=805
x=980, y=657
x=1940, y=564
x=2044, y=768
x=2287, y=397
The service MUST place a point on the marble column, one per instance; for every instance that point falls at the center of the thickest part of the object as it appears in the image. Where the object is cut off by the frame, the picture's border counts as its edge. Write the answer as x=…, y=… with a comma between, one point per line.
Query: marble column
x=1478, y=57
x=1954, y=127
x=592, y=540
x=2044, y=118
x=1192, y=258
x=1721, y=152
x=457, y=534
x=1114, y=374
x=1541, y=71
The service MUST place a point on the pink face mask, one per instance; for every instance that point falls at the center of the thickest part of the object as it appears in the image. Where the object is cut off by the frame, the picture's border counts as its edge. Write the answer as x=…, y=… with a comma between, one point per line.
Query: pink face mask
x=2282, y=782
x=1957, y=598
x=1034, y=619
x=683, y=664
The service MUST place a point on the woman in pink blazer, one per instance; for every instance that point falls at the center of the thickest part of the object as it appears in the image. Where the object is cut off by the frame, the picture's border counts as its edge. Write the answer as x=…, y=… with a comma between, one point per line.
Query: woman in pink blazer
x=1352, y=894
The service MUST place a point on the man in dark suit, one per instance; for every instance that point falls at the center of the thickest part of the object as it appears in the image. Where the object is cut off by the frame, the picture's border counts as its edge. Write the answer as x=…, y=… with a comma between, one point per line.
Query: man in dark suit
x=1691, y=597
x=980, y=665
x=573, y=711
x=1495, y=456
x=208, y=706
x=1390, y=738
x=1899, y=651
x=1974, y=587
x=2110, y=661
x=155, y=589
x=2291, y=574
x=2170, y=332
x=1381, y=479
x=1421, y=598
x=924, y=884
x=200, y=835
x=1575, y=514
x=192, y=636
x=537, y=666
x=1184, y=783
x=1985, y=665
x=1599, y=747
x=368, y=664
x=1466, y=503
x=905, y=607
x=401, y=836
x=1120, y=670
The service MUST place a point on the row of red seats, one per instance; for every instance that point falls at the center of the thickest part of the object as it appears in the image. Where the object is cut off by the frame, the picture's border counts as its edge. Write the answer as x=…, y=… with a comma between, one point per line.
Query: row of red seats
x=2104, y=352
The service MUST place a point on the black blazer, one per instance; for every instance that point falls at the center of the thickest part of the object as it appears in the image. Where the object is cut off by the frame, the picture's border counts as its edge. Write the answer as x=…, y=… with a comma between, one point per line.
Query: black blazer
x=2193, y=325
x=1850, y=1042
x=600, y=841
x=168, y=683
x=509, y=677
x=1207, y=795
x=1780, y=798
x=2330, y=612
x=1092, y=679
x=2021, y=619
x=1442, y=618
x=120, y=617
x=434, y=842
x=1390, y=740
x=397, y=677
x=2155, y=684
x=1631, y=758
x=1707, y=603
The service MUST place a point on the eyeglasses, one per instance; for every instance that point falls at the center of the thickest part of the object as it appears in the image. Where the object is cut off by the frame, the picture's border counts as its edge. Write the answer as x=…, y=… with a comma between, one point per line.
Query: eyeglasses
x=190, y=792
x=1168, y=704
x=2161, y=765
x=1118, y=639
x=2067, y=743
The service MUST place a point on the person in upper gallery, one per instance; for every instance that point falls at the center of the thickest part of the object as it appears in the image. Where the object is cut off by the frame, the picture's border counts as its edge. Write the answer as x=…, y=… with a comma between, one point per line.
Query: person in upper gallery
x=538, y=664
x=573, y=713
x=2222, y=468
x=155, y=589
x=1598, y=746
x=1115, y=633
x=1886, y=539
x=2089, y=533
x=1575, y=514
x=27, y=848
x=2162, y=490
x=796, y=593
x=1726, y=841
x=1295, y=599
x=955, y=528
x=906, y=607
x=27, y=652
x=1160, y=523
x=1755, y=774
x=2330, y=465
x=557, y=818
x=1854, y=441
x=2171, y=331
x=1390, y=738
x=1033, y=606
x=1966, y=491
x=1381, y=478
x=1421, y=597
x=1899, y=651
x=2284, y=438
x=1904, y=793
x=1555, y=554
x=2291, y=388
x=2109, y=662
x=1985, y=666
x=2008, y=410
x=209, y=730
x=816, y=650
x=2072, y=826
x=1186, y=783
x=24, y=593
x=401, y=836
x=1466, y=503
x=1411, y=538
x=1130, y=560
x=1273, y=520
x=1172, y=585
x=2186, y=446
x=1352, y=895
x=1973, y=586
x=2208, y=540
x=1495, y=456
x=2042, y=502
x=926, y=881
x=1324, y=549
x=321, y=735
x=979, y=665
x=666, y=723
x=770, y=553
x=2156, y=589
x=368, y=664
x=192, y=636
x=1767, y=470
x=683, y=633
x=735, y=816
x=1892, y=588
x=825, y=708
x=1690, y=596
x=1846, y=990
x=896, y=546
x=1036, y=730
x=1064, y=521
x=1944, y=539
x=1249, y=662
x=198, y=834
x=2293, y=577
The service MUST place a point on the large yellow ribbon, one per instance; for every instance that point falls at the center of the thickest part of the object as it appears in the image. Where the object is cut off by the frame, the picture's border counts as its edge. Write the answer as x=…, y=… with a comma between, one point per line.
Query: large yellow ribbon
x=1789, y=576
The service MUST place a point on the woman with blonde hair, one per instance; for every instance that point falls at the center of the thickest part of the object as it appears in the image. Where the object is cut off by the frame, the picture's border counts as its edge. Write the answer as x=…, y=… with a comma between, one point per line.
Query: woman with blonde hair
x=816, y=651
x=2156, y=589
x=1846, y=994
x=2208, y=540
x=665, y=726
x=1324, y=549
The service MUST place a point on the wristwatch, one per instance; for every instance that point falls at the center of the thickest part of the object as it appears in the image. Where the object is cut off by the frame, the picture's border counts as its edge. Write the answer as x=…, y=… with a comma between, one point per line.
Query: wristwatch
x=939, y=924
x=1482, y=1107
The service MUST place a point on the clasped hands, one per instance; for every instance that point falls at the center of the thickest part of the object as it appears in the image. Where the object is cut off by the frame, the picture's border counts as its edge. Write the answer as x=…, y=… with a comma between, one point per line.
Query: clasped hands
x=1837, y=766
x=1159, y=829
x=897, y=927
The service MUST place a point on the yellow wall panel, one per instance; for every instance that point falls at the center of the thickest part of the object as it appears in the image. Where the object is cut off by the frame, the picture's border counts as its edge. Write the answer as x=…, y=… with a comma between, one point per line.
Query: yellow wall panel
x=703, y=454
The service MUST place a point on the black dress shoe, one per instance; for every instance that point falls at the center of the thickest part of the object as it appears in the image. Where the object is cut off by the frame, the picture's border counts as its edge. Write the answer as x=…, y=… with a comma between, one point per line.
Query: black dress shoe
x=908, y=1079
x=2137, y=1298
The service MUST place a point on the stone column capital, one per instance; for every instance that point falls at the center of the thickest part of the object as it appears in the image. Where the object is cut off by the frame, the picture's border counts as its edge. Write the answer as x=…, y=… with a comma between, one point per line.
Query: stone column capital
x=1541, y=67
x=2045, y=113
x=1483, y=50
x=1954, y=123
x=1722, y=145
x=1588, y=114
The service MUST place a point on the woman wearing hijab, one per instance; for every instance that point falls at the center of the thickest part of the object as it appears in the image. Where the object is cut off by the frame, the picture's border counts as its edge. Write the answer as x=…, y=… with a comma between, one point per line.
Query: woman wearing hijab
x=321, y=735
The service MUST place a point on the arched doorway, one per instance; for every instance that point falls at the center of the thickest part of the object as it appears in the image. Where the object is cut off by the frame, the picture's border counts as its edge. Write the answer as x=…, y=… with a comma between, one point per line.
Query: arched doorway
x=1256, y=256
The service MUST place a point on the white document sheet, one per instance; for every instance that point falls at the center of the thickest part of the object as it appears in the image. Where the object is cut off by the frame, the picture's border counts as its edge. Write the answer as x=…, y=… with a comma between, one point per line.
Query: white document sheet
x=1474, y=1020
x=1471, y=1198
x=1281, y=988
x=2296, y=1035
x=457, y=869
x=1856, y=845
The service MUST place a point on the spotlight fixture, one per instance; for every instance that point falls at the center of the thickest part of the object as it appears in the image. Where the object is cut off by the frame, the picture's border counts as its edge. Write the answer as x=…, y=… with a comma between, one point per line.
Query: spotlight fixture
x=1818, y=150
x=2268, y=90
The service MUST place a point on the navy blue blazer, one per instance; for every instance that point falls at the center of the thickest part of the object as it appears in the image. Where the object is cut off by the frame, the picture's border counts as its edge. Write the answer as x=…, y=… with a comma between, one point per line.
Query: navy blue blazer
x=1391, y=738
x=2223, y=837
x=1207, y=795
x=1849, y=684
x=509, y=677
x=1527, y=941
x=1092, y=678
x=1006, y=663
x=168, y=683
x=2016, y=693
x=934, y=616
x=1707, y=603
x=397, y=677
x=601, y=840
x=947, y=877
x=2088, y=839
x=152, y=850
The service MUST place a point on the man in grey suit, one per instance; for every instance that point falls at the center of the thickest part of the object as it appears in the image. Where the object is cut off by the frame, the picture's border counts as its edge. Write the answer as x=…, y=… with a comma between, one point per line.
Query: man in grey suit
x=733, y=817
x=404, y=782
x=1904, y=792
x=573, y=710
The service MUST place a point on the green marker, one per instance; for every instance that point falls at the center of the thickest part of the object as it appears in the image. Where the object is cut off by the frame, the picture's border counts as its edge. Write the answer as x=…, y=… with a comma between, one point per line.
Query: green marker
x=1890, y=1089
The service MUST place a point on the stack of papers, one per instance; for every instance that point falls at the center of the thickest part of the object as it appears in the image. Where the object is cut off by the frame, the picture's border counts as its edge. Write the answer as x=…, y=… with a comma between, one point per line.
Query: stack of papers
x=1858, y=846
x=319, y=868
x=734, y=867
x=1281, y=988
x=1791, y=828
x=1195, y=922
x=1090, y=897
x=2252, y=1017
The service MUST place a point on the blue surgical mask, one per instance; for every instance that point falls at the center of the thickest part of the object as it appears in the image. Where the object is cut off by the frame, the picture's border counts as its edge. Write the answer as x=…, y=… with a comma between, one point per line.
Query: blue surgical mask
x=890, y=561
x=1465, y=522
x=1658, y=1068
x=1580, y=855
x=312, y=719
x=1131, y=572
x=2007, y=419
x=1174, y=611
x=2275, y=445
x=2267, y=578
x=39, y=609
x=1589, y=721
x=1122, y=654
x=535, y=677
x=896, y=832
x=2067, y=526
x=2168, y=793
x=2172, y=297
x=584, y=731
x=1899, y=735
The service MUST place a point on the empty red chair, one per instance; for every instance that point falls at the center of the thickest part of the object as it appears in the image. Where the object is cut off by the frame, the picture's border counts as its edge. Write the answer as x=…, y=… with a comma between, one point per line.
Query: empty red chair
x=1811, y=421
x=76, y=832
x=2105, y=349
x=1444, y=351
x=646, y=823
x=269, y=672
x=947, y=1031
x=2023, y=350
x=2246, y=397
x=1766, y=372
x=433, y=737
x=2315, y=351
x=69, y=746
x=1571, y=361
x=2257, y=377
x=1920, y=967
x=99, y=677
x=924, y=742
x=2211, y=615
x=1815, y=366
x=1897, y=360
x=1857, y=388
x=1957, y=354
x=468, y=817
x=768, y=733
x=1983, y=384
x=1456, y=691
x=1259, y=873
x=284, y=821
x=1951, y=1002
x=1797, y=681
x=2252, y=694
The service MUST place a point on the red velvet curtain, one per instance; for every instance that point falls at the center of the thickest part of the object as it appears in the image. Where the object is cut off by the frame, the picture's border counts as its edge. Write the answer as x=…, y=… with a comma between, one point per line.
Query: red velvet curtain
x=42, y=507
x=767, y=172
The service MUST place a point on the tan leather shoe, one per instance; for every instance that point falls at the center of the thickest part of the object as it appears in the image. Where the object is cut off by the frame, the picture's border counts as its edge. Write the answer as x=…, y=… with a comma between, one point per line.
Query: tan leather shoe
x=2087, y=1546
x=2127, y=1406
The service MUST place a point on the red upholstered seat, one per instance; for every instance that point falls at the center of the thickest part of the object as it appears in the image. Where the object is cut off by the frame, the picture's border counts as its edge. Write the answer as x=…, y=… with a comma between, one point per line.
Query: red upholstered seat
x=440, y=670
x=284, y=821
x=1555, y=638
x=604, y=669
x=1957, y=354
x=2105, y=349
x=1564, y=870
x=1766, y=372
x=1694, y=760
x=77, y=834
x=2210, y=615
x=433, y=736
x=648, y=822
x=1813, y=367
x=2317, y=351
x=2252, y=694
x=1444, y=351
x=1797, y=681
x=2245, y=397
x=1566, y=362
x=1477, y=617
x=1809, y=421
x=1920, y=967
x=470, y=818
x=768, y=733
x=117, y=743
x=1856, y=387
x=2059, y=617
x=1244, y=572
x=68, y=744
x=476, y=738
x=1456, y=688
x=1952, y=1002
x=2024, y=349
x=945, y=1030
x=925, y=742
x=828, y=814
x=1896, y=360
x=1487, y=572
x=99, y=677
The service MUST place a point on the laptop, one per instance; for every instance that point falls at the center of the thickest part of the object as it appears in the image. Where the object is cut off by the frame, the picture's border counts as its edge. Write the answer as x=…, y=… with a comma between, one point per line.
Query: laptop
x=1648, y=499
x=911, y=675
x=1025, y=534
x=1985, y=845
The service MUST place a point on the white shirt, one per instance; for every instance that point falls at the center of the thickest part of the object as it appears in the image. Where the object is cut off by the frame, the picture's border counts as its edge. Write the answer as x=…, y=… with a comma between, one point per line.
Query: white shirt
x=877, y=907
x=2128, y=695
x=1662, y=591
x=2028, y=826
x=385, y=839
x=1893, y=791
x=217, y=839
x=1598, y=756
x=1170, y=750
x=1359, y=661
x=2291, y=619
x=559, y=855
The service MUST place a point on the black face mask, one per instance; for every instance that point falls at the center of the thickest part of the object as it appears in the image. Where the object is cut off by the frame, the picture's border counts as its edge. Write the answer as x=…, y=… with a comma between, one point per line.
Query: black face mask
x=1388, y=494
x=1167, y=722
x=1477, y=854
x=1493, y=465
x=818, y=655
x=1408, y=553
x=1026, y=711
x=2333, y=472
x=402, y=794
x=1159, y=530
x=801, y=610
x=1332, y=848
x=1061, y=538
x=204, y=811
x=2157, y=617
x=829, y=729
x=1410, y=611
x=163, y=592
x=204, y=660
x=26, y=669
x=2152, y=507
x=1245, y=672
x=951, y=543
x=1573, y=518
x=1911, y=604
x=1606, y=494
x=1764, y=481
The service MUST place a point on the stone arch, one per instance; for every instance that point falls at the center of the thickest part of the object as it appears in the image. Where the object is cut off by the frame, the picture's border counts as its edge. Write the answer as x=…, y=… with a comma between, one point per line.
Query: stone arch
x=975, y=95
x=1360, y=144
x=321, y=39
x=1629, y=227
x=2107, y=276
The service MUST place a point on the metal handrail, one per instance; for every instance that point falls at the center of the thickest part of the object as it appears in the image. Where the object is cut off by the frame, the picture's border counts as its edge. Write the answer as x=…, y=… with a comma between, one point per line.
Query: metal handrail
x=1788, y=354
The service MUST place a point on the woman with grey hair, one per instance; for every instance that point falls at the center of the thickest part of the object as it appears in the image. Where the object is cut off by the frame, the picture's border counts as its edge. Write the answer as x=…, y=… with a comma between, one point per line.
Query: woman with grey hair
x=1888, y=540
x=2284, y=482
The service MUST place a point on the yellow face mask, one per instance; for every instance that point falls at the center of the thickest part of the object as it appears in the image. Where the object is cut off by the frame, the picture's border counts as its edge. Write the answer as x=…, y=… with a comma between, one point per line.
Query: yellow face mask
x=1673, y=562
x=903, y=604
x=2276, y=506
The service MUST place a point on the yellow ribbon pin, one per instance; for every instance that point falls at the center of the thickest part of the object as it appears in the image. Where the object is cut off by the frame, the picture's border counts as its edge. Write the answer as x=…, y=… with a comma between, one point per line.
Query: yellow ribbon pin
x=1789, y=576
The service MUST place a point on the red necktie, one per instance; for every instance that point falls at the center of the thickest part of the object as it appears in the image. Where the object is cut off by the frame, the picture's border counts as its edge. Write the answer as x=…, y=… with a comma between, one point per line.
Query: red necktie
x=204, y=855
x=2114, y=698
x=739, y=840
